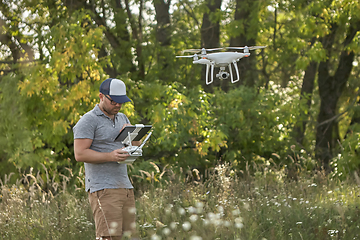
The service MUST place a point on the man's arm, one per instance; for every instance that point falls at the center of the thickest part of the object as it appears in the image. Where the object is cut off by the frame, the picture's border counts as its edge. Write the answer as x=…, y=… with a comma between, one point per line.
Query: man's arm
x=83, y=153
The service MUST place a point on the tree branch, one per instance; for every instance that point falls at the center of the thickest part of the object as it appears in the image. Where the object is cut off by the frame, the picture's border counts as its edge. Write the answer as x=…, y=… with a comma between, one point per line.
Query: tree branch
x=334, y=118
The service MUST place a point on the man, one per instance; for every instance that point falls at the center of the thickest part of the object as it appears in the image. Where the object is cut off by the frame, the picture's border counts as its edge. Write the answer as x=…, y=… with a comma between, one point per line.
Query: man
x=110, y=191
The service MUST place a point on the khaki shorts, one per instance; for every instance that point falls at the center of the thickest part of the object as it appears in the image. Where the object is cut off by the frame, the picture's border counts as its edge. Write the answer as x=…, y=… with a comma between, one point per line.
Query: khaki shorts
x=113, y=211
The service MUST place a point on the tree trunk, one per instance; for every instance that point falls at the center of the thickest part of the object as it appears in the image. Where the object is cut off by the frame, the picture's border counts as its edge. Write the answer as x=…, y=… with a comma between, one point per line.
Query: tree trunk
x=246, y=12
x=137, y=35
x=306, y=92
x=210, y=37
x=330, y=90
x=163, y=22
x=163, y=36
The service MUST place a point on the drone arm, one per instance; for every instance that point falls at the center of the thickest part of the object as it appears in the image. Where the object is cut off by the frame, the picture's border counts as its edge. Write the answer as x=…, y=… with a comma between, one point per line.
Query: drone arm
x=237, y=72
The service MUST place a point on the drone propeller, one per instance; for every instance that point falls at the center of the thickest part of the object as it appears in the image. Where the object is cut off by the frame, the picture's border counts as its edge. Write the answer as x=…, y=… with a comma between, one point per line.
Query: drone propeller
x=246, y=47
x=202, y=50
x=189, y=56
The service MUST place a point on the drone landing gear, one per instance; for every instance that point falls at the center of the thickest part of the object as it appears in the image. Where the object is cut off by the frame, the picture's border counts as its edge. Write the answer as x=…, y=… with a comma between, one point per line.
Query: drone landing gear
x=237, y=72
x=207, y=73
x=222, y=73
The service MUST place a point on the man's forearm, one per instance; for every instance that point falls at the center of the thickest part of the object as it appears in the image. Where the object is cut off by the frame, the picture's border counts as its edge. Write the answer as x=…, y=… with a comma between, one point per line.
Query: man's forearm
x=92, y=156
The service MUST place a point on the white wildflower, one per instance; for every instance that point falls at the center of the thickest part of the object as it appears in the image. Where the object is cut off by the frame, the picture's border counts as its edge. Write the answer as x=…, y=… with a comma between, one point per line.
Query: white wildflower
x=181, y=211
x=166, y=231
x=193, y=218
x=173, y=225
x=186, y=226
x=155, y=237
x=195, y=238
x=235, y=212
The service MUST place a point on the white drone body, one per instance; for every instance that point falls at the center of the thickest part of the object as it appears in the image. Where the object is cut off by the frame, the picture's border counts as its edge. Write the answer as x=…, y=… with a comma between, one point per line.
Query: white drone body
x=220, y=59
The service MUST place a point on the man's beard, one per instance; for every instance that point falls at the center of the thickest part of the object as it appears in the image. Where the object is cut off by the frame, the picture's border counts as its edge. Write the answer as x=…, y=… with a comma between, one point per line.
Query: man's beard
x=111, y=111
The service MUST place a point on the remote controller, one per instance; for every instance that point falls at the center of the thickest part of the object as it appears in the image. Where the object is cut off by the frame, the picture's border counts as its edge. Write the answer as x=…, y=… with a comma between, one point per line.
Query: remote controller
x=134, y=151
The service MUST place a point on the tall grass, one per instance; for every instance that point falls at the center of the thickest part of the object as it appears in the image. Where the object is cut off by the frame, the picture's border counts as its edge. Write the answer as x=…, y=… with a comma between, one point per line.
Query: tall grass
x=264, y=206
x=27, y=211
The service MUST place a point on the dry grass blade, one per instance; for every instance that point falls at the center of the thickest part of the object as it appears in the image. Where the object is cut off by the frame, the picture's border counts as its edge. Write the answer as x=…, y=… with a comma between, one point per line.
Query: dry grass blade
x=146, y=173
x=39, y=179
x=196, y=174
x=46, y=172
x=70, y=171
x=163, y=172
x=155, y=166
x=6, y=178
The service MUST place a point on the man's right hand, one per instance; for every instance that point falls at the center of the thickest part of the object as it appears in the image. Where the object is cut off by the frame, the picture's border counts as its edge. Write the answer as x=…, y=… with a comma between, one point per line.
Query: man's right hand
x=119, y=155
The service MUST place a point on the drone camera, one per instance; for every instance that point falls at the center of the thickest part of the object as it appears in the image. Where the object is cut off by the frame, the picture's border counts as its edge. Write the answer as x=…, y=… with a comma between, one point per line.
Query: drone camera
x=223, y=75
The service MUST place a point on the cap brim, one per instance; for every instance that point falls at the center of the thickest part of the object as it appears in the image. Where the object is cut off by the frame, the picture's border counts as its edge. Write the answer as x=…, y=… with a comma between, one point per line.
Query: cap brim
x=120, y=99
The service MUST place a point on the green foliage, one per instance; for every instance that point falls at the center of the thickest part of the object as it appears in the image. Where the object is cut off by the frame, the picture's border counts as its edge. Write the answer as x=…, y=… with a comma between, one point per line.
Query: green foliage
x=54, y=98
x=240, y=126
x=15, y=138
x=347, y=162
x=255, y=124
x=180, y=118
x=78, y=46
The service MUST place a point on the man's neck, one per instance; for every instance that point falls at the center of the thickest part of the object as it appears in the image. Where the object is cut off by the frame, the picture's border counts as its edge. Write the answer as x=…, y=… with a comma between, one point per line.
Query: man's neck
x=106, y=113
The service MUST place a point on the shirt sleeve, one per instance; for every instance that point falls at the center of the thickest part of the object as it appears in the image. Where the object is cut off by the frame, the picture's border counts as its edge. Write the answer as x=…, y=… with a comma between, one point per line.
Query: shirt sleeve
x=85, y=127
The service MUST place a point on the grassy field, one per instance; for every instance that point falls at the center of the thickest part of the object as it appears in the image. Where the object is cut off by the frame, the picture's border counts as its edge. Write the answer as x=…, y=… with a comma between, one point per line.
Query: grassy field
x=264, y=206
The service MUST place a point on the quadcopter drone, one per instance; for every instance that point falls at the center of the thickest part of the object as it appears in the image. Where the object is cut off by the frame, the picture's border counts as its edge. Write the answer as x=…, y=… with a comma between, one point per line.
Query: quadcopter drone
x=219, y=59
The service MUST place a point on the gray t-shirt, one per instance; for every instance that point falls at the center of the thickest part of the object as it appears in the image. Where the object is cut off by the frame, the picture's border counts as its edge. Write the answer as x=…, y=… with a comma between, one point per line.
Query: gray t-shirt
x=102, y=130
